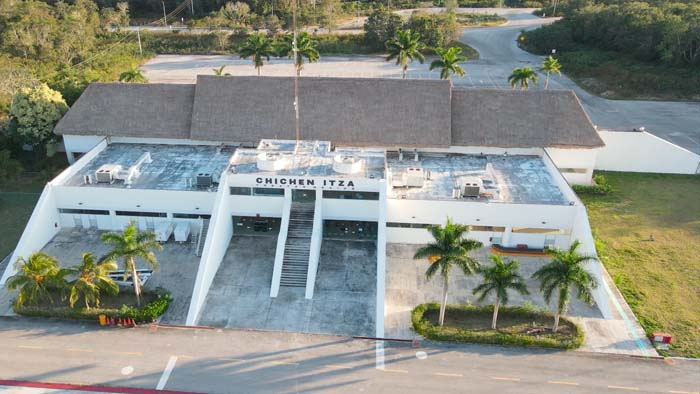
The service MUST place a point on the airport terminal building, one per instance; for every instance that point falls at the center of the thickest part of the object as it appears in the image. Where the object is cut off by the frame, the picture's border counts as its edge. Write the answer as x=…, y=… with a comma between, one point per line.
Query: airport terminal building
x=379, y=160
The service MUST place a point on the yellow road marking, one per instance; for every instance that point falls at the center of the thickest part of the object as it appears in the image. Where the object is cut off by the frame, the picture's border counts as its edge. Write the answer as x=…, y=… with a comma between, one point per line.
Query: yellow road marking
x=395, y=370
x=506, y=379
x=453, y=375
x=338, y=366
x=29, y=347
x=131, y=353
x=624, y=388
x=283, y=363
x=684, y=392
x=562, y=382
x=71, y=349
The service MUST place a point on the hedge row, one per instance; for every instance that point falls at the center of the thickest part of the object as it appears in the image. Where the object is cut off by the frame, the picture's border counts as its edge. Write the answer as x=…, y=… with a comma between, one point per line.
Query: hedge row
x=145, y=314
x=600, y=187
x=423, y=327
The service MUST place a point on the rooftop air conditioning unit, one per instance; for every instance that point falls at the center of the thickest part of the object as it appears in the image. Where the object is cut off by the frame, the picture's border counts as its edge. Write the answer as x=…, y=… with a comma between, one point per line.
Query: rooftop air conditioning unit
x=107, y=173
x=346, y=164
x=398, y=179
x=471, y=186
x=414, y=177
x=204, y=179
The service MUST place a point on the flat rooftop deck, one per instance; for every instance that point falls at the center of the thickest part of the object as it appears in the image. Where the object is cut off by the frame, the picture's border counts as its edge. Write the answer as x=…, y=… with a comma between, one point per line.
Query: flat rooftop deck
x=521, y=179
x=173, y=167
x=312, y=158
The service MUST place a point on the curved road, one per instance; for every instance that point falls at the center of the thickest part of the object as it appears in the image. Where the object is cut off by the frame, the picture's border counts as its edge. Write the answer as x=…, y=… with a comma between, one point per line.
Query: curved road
x=678, y=122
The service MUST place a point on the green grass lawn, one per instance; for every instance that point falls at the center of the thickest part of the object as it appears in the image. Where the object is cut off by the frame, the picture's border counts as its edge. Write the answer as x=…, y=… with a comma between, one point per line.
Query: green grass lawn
x=15, y=210
x=660, y=279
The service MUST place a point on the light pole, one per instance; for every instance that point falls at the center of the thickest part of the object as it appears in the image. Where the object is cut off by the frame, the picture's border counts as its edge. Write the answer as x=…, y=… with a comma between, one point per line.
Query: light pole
x=165, y=16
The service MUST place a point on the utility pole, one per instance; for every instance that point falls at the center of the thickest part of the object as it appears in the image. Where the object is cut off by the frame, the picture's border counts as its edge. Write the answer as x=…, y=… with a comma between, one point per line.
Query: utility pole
x=192, y=7
x=165, y=16
x=296, y=74
x=138, y=34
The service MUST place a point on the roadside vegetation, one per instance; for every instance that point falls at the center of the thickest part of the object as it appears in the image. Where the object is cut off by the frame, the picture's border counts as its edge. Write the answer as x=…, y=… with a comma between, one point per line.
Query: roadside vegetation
x=480, y=20
x=86, y=290
x=643, y=49
x=518, y=326
x=647, y=231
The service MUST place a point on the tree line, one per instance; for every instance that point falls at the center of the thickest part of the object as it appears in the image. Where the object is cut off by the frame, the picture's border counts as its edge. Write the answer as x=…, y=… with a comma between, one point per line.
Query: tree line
x=650, y=31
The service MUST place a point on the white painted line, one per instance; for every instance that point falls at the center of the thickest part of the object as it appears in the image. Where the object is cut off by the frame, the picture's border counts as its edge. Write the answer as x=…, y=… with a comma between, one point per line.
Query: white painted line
x=166, y=373
x=379, y=355
x=624, y=388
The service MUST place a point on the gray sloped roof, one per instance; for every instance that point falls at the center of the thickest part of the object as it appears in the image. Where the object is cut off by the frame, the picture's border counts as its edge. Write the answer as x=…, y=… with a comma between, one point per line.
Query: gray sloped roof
x=386, y=112
x=131, y=110
x=521, y=119
x=345, y=111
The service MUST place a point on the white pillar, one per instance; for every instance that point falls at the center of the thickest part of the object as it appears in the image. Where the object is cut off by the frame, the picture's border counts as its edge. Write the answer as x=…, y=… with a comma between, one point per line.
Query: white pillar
x=505, y=240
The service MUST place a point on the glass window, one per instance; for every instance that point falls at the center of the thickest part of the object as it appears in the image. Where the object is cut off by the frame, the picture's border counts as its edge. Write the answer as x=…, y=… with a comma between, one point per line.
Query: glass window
x=190, y=216
x=144, y=214
x=350, y=195
x=488, y=228
x=240, y=191
x=84, y=211
x=407, y=225
x=552, y=231
x=263, y=191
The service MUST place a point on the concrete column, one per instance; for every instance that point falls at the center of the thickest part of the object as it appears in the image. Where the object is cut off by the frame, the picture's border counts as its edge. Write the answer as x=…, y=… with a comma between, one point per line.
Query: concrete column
x=505, y=241
x=71, y=157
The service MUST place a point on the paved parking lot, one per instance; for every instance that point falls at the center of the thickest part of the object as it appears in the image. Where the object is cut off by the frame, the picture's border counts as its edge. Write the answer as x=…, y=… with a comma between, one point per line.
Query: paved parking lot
x=177, y=266
x=344, y=298
x=406, y=287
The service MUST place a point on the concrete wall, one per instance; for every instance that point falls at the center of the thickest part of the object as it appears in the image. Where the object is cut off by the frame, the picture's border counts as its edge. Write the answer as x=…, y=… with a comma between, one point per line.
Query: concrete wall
x=281, y=243
x=270, y=206
x=337, y=209
x=215, y=246
x=581, y=160
x=315, y=247
x=644, y=152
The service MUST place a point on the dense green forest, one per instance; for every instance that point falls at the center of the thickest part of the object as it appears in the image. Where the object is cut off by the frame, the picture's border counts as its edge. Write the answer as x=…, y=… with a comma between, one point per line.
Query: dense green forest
x=635, y=48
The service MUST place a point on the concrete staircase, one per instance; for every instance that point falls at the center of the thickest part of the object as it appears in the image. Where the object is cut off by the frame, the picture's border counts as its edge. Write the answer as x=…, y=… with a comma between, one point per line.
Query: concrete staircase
x=204, y=228
x=295, y=264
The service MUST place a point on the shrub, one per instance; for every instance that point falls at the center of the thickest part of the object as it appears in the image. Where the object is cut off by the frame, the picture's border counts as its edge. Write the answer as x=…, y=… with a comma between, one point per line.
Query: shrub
x=36, y=111
x=436, y=30
x=455, y=334
x=381, y=25
x=600, y=187
x=146, y=314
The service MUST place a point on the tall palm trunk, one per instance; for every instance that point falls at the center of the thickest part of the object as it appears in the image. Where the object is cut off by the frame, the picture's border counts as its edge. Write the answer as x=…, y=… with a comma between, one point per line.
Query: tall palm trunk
x=546, y=81
x=135, y=280
x=443, y=306
x=556, y=322
x=495, y=313
x=258, y=70
x=404, y=69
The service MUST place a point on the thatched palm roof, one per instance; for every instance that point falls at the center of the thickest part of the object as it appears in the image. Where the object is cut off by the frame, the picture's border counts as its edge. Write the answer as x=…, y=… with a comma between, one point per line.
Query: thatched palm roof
x=345, y=111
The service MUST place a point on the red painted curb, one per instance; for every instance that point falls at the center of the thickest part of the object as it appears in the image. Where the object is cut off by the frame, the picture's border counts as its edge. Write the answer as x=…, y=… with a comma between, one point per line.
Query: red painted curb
x=77, y=387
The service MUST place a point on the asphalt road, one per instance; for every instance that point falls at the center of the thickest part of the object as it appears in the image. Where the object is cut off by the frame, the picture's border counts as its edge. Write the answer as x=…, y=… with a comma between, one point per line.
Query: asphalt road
x=678, y=122
x=230, y=361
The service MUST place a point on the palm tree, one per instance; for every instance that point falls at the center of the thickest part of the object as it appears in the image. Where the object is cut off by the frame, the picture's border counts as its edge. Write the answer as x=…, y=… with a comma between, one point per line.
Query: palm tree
x=91, y=279
x=306, y=48
x=36, y=277
x=550, y=65
x=259, y=47
x=449, y=248
x=130, y=244
x=499, y=278
x=220, y=71
x=405, y=47
x=561, y=274
x=133, y=75
x=522, y=76
x=448, y=62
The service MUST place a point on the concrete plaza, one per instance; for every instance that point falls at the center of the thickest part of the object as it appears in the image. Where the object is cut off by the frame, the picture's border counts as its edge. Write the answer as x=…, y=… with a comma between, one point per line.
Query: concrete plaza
x=344, y=296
